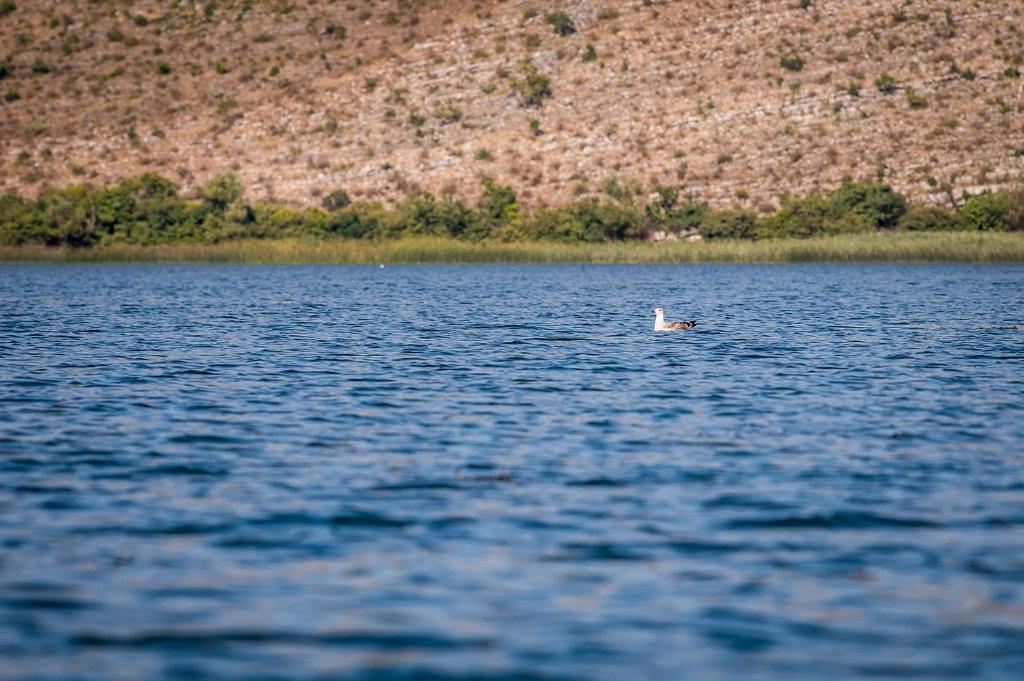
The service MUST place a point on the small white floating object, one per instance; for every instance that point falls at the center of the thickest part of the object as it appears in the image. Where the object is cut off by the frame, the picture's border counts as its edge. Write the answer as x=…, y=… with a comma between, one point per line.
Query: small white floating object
x=661, y=325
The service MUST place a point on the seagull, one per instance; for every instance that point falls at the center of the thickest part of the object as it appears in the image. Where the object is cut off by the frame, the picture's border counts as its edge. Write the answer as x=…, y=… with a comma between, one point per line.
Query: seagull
x=661, y=325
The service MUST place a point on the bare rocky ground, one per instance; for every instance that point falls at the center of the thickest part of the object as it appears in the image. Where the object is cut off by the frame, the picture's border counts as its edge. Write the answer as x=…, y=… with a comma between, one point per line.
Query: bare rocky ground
x=734, y=102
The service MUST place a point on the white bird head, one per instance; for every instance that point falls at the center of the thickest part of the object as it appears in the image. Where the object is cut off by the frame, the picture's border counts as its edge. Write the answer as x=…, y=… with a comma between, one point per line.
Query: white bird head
x=658, y=311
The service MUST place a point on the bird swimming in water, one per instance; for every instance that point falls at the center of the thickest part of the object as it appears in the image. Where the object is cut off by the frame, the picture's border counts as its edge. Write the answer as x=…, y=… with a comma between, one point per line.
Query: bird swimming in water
x=661, y=325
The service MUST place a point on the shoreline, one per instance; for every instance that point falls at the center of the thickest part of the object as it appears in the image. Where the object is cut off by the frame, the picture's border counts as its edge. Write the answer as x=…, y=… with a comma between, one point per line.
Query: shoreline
x=892, y=247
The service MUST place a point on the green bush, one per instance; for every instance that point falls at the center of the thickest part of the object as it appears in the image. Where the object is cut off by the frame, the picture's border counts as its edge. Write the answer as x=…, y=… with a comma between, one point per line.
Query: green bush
x=350, y=224
x=930, y=219
x=336, y=200
x=222, y=191
x=533, y=87
x=994, y=211
x=792, y=63
x=21, y=221
x=7, y=7
x=424, y=215
x=497, y=208
x=914, y=100
x=665, y=212
x=6, y=68
x=811, y=216
x=69, y=215
x=876, y=202
x=561, y=23
x=729, y=224
x=886, y=84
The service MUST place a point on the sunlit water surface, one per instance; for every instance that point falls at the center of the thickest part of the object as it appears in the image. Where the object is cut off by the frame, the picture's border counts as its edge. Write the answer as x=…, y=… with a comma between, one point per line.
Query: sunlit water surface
x=502, y=473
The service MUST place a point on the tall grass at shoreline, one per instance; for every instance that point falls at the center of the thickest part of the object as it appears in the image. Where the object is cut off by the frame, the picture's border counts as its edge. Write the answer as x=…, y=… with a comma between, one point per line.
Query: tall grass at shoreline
x=949, y=247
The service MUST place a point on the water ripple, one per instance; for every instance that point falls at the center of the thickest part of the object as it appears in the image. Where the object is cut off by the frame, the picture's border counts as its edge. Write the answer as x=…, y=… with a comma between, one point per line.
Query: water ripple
x=501, y=473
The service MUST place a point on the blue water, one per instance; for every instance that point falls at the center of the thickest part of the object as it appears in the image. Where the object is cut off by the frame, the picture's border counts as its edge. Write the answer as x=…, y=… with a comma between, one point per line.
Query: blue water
x=502, y=473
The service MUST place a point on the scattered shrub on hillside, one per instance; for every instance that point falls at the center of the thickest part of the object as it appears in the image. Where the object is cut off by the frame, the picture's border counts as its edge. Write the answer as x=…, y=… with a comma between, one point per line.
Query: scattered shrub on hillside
x=533, y=87
x=792, y=63
x=6, y=68
x=561, y=23
x=448, y=113
x=853, y=89
x=163, y=68
x=39, y=66
x=914, y=100
x=7, y=7
x=11, y=96
x=336, y=200
x=950, y=23
x=886, y=84
x=339, y=32
x=590, y=54
x=930, y=219
x=966, y=74
x=220, y=67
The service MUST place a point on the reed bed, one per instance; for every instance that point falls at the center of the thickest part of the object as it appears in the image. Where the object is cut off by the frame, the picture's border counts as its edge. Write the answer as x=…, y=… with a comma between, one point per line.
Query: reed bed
x=937, y=247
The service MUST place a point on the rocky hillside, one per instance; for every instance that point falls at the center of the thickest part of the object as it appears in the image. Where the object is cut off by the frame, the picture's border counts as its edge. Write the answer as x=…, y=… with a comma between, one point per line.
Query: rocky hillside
x=734, y=101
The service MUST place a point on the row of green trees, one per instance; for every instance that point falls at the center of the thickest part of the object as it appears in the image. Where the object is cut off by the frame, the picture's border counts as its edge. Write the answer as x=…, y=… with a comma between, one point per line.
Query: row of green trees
x=149, y=210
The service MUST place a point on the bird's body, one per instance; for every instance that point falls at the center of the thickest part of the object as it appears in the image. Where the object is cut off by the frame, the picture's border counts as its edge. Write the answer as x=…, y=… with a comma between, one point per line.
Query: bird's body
x=661, y=325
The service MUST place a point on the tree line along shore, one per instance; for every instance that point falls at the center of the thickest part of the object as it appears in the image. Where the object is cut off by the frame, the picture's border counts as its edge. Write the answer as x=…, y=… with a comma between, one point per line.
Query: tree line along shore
x=148, y=211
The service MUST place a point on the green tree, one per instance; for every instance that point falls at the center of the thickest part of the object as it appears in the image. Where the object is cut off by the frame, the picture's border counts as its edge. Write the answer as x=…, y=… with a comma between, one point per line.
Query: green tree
x=729, y=224
x=222, y=191
x=69, y=215
x=21, y=221
x=876, y=202
x=993, y=212
x=930, y=219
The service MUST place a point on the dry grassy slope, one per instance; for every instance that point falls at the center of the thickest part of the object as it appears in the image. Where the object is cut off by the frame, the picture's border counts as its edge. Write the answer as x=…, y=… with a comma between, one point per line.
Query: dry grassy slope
x=689, y=93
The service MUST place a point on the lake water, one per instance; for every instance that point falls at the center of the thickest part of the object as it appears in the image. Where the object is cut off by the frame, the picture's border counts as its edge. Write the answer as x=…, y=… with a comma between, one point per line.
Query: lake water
x=503, y=473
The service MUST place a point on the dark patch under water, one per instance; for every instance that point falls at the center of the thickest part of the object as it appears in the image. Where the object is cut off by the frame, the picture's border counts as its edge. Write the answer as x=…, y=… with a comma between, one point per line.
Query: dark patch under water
x=503, y=473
